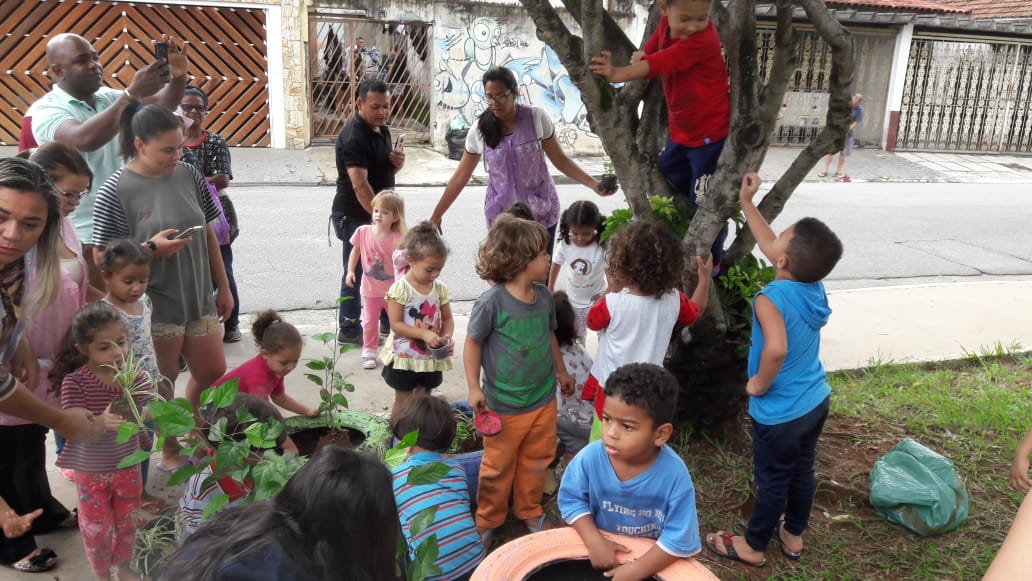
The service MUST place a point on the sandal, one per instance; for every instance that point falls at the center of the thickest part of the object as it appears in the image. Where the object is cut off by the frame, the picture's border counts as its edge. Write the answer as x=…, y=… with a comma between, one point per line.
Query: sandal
x=155, y=506
x=542, y=524
x=729, y=546
x=38, y=561
x=788, y=553
x=486, y=535
x=823, y=174
x=837, y=175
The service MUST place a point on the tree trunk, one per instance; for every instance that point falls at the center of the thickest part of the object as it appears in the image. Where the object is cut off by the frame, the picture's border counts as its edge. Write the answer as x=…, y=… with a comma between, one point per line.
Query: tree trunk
x=708, y=360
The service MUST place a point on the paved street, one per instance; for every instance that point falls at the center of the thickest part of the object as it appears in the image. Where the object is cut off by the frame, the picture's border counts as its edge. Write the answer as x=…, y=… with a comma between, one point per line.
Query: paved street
x=890, y=231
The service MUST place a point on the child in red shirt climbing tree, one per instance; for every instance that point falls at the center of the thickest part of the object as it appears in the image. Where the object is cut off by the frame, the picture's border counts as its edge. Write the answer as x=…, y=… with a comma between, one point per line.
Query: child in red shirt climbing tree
x=685, y=53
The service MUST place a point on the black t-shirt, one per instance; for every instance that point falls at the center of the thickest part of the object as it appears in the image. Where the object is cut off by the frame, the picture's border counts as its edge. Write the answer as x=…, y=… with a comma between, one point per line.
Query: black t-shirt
x=359, y=146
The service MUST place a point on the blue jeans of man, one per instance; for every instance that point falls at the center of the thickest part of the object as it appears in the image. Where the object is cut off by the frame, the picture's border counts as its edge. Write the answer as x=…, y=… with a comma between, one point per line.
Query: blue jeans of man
x=233, y=321
x=350, y=312
x=689, y=169
x=783, y=466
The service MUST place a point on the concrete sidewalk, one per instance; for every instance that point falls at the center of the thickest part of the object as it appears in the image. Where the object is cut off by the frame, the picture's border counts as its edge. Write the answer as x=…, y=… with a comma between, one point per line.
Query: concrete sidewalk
x=902, y=323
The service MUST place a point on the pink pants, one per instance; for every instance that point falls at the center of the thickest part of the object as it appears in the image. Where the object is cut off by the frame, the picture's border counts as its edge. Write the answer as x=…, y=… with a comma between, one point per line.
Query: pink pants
x=371, y=307
x=107, y=505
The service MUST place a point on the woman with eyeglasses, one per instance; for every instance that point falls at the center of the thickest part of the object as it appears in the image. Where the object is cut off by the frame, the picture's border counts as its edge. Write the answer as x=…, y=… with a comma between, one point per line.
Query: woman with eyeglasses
x=514, y=140
x=214, y=163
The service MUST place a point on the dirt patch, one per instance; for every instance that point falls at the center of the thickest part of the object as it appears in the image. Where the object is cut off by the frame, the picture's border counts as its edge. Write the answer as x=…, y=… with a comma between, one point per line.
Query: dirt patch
x=308, y=440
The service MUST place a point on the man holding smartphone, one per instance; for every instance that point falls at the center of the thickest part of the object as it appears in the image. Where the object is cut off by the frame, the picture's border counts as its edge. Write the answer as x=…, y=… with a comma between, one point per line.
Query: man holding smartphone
x=367, y=162
x=83, y=113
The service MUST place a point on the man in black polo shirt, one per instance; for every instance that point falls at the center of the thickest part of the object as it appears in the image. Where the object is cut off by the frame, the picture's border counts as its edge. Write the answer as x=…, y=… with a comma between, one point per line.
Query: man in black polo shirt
x=366, y=164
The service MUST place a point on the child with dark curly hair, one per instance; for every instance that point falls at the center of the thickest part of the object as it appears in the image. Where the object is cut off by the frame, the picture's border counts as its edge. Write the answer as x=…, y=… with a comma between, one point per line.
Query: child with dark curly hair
x=511, y=337
x=634, y=324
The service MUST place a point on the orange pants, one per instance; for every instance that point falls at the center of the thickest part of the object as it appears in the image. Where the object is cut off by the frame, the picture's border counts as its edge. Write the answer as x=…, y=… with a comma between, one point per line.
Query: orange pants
x=516, y=458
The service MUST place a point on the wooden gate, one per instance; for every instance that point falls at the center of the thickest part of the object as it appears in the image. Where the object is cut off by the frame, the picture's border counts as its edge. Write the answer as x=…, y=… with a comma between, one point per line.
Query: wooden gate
x=967, y=96
x=806, y=100
x=227, y=56
x=344, y=51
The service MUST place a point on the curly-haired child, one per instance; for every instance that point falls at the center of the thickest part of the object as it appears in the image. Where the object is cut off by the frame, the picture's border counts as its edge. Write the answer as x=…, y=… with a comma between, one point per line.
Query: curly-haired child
x=511, y=338
x=579, y=262
x=635, y=324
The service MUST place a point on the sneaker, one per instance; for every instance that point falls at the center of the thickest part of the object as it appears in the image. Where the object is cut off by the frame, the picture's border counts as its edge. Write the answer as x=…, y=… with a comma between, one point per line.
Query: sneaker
x=349, y=338
x=369, y=363
x=232, y=335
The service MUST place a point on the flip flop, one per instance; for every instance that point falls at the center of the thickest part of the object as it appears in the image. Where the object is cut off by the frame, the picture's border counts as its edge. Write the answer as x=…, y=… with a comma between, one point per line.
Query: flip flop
x=170, y=469
x=789, y=554
x=155, y=506
x=729, y=546
x=44, y=560
x=823, y=174
x=837, y=175
x=542, y=524
x=486, y=536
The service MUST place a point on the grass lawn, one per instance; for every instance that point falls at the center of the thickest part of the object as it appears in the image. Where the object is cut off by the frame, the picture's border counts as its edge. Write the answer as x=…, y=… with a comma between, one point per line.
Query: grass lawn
x=973, y=411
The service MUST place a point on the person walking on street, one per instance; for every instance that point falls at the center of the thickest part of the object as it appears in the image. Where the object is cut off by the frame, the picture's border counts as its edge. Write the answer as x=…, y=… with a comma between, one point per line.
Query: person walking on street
x=367, y=162
x=847, y=148
x=83, y=113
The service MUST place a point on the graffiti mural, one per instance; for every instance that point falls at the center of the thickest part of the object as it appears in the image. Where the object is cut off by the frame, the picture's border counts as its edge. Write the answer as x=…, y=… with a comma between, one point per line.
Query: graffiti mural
x=468, y=49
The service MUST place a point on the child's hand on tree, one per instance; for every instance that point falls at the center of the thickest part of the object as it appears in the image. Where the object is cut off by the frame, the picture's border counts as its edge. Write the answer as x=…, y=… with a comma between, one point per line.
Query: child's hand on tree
x=602, y=65
x=704, y=267
x=636, y=56
x=750, y=185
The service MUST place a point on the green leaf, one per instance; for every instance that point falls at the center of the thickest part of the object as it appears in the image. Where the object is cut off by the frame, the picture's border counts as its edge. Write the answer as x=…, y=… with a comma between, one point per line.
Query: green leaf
x=183, y=474
x=394, y=457
x=314, y=379
x=134, y=458
x=339, y=400
x=126, y=431
x=231, y=454
x=244, y=416
x=221, y=396
x=325, y=338
x=423, y=519
x=215, y=504
x=258, y=436
x=275, y=429
x=217, y=431
x=423, y=565
x=316, y=364
x=427, y=473
x=173, y=418
x=409, y=440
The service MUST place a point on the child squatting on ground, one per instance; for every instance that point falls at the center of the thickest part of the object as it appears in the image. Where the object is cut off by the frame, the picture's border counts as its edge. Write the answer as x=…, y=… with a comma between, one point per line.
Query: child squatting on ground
x=575, y=414
x=374, y=244
x=201, y=489
x=635, y=326
x=579, y=264
x=280, y=349
x=460, y=547
x=419, y=310
x=788, y=389
x=631, y=482
x=685, y=53
x=511, y=340
x=108, y=496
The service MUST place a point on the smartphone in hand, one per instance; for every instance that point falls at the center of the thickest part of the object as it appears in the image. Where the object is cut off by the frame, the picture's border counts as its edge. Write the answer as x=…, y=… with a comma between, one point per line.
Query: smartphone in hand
x=400, y=144
x=161, y=53
x=187, y=232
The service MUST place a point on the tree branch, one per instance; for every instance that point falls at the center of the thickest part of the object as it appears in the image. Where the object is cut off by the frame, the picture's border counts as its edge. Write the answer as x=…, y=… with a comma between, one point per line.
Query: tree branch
x=786, y=44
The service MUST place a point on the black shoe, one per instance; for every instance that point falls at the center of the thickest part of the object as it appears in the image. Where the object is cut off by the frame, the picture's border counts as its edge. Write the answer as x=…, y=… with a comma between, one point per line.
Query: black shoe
x=183, y=368
x=346, y=338
x=385, y=328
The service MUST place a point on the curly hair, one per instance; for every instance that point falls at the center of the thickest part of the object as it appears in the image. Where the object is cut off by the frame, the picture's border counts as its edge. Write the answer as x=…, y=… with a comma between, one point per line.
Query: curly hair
x=647, y=254
x=581, y=213
x=646, y=386
x=512, y=243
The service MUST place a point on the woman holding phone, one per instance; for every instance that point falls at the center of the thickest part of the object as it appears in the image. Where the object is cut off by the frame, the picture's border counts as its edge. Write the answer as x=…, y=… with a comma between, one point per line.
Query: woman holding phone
x=150, y=200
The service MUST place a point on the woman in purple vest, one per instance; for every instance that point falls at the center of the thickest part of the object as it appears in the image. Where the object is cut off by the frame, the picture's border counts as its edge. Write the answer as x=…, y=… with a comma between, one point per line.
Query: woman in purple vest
x=514, y=140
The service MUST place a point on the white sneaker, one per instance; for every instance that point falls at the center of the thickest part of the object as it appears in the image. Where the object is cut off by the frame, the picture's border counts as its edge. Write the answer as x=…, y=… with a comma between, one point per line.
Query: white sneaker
x=368, y=363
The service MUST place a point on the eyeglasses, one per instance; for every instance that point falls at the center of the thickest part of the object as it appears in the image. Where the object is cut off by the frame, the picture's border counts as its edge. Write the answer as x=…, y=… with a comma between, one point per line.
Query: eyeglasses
x=198, y=108
x=72, y=195
x=498, y=98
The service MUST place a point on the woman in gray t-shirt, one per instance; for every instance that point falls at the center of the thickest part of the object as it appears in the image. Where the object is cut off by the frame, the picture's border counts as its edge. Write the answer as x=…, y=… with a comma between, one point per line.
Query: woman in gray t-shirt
x=152, y=198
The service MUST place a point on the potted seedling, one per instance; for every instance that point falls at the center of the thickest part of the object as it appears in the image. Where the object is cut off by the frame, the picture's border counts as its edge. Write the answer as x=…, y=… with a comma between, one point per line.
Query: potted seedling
x=608, y=179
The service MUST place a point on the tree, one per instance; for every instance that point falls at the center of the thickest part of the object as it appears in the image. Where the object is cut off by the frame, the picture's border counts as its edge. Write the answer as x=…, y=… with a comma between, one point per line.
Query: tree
x=709, y=363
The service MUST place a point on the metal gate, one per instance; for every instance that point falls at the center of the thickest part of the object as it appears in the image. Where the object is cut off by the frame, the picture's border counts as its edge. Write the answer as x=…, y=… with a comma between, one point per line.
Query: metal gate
x=344, y=51
x=967, y=96
x=806, y=98
x=231, y=69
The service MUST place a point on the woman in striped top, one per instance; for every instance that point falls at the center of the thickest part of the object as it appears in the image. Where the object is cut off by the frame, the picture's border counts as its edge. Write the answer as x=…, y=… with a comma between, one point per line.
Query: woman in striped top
x=108, y=496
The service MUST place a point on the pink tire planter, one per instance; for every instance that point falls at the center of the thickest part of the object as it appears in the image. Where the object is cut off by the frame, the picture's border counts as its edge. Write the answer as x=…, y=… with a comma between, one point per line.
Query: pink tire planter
x=517, y=560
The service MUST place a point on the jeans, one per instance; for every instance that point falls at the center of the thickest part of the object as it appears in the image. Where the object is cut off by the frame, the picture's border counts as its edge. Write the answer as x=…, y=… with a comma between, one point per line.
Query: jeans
x=689, y=169
x=233, y=321
x=783, y=464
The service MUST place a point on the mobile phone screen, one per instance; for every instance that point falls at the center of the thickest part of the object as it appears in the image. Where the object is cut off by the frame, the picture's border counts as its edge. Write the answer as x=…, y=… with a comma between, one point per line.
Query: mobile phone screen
x=400, y=145
x=160, y=50
x=189, y=231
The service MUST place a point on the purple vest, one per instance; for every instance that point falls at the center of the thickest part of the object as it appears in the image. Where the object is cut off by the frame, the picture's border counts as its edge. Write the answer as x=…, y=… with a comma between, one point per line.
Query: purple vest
x=517, y=172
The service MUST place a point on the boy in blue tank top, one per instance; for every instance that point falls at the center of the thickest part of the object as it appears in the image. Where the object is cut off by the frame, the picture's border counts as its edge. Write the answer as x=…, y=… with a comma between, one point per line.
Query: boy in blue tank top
x=788, y=389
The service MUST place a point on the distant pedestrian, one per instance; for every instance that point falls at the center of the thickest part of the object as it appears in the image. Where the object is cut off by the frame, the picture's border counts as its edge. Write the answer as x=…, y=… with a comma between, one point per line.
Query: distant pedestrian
x=514, y=140
x=83, y=113
x=857, y=117
x=685, y=53
x=366, y=165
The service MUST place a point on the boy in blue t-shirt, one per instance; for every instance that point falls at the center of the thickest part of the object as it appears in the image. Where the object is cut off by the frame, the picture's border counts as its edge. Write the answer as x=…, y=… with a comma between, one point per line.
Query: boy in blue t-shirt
x=788, y=389
x=630, y=482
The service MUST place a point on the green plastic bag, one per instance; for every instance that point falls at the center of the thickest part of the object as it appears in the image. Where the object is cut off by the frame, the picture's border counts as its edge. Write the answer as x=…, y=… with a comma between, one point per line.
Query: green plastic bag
x=916, y=488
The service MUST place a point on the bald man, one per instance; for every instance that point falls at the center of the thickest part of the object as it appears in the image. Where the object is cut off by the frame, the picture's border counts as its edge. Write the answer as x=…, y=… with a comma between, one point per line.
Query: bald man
x=83, y=113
